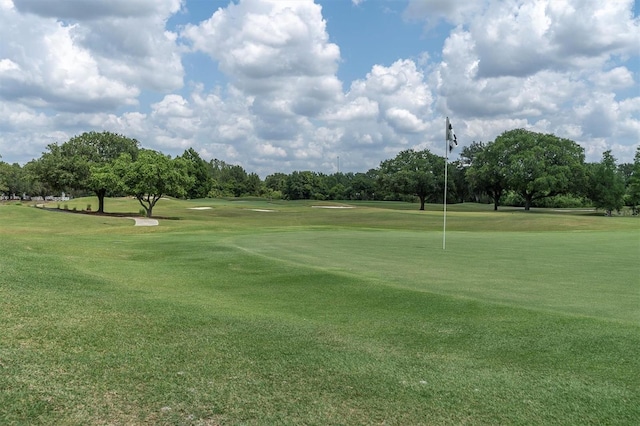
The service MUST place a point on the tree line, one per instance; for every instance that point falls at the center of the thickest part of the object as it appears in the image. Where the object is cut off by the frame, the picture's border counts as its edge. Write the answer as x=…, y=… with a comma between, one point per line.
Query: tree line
x=518, y=168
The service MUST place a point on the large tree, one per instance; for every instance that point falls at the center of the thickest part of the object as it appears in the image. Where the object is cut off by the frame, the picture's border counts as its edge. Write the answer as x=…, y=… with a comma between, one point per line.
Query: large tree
x=484, y=172
x=606, y=185
x=4, y=173
x=69, y=166
x=418, y=173
x=201, y=173
x=37, y=187
x=633, y=189
x=538, y=165
x=363, y=185
x=233, y=180
x=153, y=175
x=304, y=185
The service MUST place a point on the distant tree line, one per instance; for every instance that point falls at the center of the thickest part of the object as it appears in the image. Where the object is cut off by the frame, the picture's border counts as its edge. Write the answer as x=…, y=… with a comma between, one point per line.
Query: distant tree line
x=520, y=168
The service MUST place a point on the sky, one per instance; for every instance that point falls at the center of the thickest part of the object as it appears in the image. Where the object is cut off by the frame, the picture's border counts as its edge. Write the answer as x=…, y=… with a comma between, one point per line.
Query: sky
x=324, y=85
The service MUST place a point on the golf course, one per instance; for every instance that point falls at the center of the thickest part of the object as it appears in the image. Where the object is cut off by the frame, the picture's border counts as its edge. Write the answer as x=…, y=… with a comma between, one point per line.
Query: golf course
x=267, y=312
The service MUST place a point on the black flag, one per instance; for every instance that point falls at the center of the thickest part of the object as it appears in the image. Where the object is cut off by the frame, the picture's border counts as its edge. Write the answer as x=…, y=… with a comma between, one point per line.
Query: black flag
x=451, y=137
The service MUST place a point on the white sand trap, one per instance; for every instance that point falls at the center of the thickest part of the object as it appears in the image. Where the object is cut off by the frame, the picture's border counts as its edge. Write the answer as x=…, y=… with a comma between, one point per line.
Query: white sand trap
x=333, y=207
x=145, y=221
x=262, y=210
x=199, y=208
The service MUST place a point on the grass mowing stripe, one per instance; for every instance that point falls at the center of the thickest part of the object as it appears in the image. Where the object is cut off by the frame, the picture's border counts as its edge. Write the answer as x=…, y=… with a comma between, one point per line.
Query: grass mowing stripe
x=183, y=325
x=555, y=271
x=439, y=354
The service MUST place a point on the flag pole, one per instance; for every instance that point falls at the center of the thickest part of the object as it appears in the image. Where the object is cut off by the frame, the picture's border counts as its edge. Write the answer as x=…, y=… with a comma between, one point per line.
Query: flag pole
x=446, y=163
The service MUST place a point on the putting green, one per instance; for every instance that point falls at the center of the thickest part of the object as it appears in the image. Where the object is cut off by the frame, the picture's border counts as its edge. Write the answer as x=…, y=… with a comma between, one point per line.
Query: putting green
x=584, y=273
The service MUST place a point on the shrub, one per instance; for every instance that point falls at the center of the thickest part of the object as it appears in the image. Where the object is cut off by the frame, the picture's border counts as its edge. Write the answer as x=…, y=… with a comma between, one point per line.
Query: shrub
x=563, y=201
x=274, y=195
x=513, y=199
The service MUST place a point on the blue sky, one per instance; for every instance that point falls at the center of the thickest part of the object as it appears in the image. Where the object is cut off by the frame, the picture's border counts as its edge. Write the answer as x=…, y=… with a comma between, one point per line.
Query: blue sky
x=284, y=85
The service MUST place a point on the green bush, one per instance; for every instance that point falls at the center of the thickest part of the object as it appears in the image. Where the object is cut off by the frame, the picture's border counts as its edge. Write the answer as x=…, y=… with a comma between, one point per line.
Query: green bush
x=274, y=195
x=563, y=201
x=512, y=199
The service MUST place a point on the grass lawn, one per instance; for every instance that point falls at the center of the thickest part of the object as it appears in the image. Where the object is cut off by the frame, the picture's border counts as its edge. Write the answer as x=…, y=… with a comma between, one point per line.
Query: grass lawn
x=258, y=312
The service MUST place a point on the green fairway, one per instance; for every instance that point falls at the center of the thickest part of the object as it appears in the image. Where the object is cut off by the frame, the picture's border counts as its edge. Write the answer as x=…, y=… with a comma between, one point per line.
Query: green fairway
x=258, y=312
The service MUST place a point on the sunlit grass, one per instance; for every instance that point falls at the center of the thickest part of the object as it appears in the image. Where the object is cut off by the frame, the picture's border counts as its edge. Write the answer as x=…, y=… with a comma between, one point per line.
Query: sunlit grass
x=304, y=315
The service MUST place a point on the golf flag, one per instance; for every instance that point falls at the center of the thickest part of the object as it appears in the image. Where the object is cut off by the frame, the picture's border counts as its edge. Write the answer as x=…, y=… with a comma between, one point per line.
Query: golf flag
x=451, y=137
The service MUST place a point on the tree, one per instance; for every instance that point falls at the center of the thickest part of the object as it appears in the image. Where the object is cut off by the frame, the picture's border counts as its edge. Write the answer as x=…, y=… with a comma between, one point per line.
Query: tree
x=305, y=185
x=253, y=185
x=69, y=166
x=364, y=186
x=485, y=173
x=462, y=191
x=37, y=187
x=633, y=189
x=4, y=177
x=201, y=173
x=275, y=185
x=606, y=186
x=539, y=165
x=106, y=176
x=233, y=180
x=151, y=176
x=276, y=182
x=418, y=173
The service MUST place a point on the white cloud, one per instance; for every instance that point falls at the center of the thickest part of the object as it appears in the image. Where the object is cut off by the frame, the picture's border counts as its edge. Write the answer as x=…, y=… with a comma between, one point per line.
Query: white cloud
x=95, y=9
x=7, y=66
x=172, y=105
x=360, y=108
x=48, y=69
x=399, y=86
x=268, y=150
x=526, y=37
x=404, y=121
x=545, y=65
x=80, y=56
x=256, y=39
x=616, y=78
x=277, y=55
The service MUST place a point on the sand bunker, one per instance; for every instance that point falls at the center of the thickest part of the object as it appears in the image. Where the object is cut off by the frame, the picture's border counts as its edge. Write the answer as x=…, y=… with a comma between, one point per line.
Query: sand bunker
x=262, y=210
x=145, y=222
x=199, y=208
x=333, y=207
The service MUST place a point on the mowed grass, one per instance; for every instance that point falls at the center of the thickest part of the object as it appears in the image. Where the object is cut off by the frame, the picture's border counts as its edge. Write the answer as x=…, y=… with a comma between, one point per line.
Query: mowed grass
x=304, y=315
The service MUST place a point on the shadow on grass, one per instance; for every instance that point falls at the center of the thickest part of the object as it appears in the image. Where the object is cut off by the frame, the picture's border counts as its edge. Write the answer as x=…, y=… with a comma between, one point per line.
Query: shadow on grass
x=105, y=214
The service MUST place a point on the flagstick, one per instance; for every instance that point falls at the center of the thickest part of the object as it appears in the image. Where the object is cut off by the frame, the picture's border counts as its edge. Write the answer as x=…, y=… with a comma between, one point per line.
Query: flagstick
x=446, y=162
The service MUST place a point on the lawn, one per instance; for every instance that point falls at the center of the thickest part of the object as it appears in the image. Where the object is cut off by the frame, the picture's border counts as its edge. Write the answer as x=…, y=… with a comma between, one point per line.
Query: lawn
x=258, y=312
